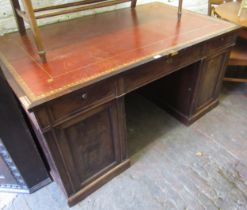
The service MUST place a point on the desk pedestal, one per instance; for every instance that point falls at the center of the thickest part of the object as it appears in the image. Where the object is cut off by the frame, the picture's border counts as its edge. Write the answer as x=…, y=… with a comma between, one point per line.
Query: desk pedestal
x=192, y=91
x=83, y=133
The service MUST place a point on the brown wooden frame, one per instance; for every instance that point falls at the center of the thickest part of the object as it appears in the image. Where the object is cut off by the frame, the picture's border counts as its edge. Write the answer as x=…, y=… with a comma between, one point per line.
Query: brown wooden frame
x=30, y=15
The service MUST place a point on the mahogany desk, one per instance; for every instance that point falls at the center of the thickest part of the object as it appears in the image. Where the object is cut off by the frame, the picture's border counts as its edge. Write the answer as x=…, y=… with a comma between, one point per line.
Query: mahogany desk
x=76, y=101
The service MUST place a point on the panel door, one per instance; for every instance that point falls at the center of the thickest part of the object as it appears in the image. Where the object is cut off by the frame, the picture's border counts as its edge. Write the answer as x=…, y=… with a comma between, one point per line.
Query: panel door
x=210, y=80
x=91, y=144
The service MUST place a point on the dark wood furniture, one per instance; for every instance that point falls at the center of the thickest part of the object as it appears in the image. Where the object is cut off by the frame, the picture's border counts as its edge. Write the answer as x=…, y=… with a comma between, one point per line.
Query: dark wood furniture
x=238, y=56
x=21, y=166
x=76, y=99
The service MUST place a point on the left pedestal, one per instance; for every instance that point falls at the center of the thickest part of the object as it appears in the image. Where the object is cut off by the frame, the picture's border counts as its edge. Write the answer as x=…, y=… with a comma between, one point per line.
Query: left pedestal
x=83, y=136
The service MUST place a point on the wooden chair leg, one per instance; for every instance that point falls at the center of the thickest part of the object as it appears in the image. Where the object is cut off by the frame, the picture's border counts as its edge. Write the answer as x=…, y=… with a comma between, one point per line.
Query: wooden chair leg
x=133, y=3
x=19, y=21
x=35, y=29
x=241, y=8
x=180, y=6
x=209, y=8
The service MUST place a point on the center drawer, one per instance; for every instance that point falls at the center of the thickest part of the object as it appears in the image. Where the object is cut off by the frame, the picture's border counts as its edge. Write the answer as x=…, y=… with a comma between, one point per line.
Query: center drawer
x=84, y=98
x=161, y=67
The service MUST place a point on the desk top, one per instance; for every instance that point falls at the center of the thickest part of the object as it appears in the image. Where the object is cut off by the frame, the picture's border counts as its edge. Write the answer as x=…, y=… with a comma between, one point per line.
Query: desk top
x=89, y=49
x=229, y=12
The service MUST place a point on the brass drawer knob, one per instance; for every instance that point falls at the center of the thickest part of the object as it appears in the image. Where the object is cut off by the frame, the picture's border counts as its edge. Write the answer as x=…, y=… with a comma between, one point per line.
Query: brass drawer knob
x=84, y=96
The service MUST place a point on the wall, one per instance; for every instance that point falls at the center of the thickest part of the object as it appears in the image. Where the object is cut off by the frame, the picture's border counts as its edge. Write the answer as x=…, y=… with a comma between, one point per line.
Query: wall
x=7, y=21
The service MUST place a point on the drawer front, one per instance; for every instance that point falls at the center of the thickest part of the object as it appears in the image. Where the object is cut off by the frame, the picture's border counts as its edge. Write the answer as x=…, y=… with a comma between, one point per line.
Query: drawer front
x=82, y=99
x=219, y=43
x=158, y=68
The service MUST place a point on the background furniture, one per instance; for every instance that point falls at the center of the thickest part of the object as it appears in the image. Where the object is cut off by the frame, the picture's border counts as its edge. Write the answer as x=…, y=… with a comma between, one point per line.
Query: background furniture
x=21, y=166
x=229, y=12
x=213, y=3
x=77, y=100
x=31, y=15
x=238, y=57
x=242, y=7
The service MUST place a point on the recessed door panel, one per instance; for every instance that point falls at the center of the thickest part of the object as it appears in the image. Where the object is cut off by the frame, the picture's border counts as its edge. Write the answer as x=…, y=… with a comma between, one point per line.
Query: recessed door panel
x=89, y=144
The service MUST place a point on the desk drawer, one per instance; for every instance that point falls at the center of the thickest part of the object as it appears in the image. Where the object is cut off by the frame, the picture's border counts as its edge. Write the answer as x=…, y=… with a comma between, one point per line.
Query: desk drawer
x=219, y=43
x=156, y=69
x=82, y=99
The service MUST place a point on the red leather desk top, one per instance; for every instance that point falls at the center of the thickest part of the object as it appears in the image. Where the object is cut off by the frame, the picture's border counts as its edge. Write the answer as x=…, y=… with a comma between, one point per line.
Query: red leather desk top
x=84, y=50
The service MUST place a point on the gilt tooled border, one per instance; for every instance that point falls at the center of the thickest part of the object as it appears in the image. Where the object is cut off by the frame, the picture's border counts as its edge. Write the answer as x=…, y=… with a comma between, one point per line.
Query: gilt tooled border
x=117, y=69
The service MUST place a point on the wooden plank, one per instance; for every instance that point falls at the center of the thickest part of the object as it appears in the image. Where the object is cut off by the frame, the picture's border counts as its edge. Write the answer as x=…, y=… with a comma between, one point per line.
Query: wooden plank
x=82, y=8
x=71, y=4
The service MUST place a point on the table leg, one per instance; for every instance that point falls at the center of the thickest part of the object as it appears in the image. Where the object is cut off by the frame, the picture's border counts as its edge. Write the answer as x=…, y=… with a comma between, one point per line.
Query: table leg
x=35, y=29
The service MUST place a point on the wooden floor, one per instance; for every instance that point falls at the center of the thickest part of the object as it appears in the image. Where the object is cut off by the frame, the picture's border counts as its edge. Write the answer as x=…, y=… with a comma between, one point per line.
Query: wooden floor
x=203, y=166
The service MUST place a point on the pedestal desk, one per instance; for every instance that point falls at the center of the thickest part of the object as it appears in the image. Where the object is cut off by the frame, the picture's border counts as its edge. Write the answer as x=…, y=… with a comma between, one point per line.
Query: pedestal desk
x=75, y=101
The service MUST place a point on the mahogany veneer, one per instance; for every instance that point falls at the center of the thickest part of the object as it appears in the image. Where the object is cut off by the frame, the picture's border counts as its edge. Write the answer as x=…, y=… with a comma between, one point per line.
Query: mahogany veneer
x=76, y=99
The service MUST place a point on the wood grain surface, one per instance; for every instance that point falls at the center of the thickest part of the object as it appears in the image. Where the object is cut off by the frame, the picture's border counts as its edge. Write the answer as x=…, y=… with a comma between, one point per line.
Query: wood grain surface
x=88, y=49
